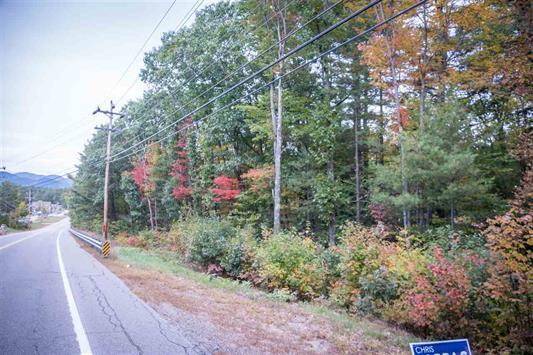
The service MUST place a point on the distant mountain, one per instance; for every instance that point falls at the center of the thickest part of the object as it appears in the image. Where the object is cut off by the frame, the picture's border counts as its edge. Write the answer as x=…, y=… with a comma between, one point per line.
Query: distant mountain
x=26, y=179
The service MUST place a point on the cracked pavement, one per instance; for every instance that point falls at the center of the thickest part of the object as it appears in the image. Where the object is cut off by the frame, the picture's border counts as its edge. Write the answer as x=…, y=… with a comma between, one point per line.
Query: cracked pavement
x=34, y=313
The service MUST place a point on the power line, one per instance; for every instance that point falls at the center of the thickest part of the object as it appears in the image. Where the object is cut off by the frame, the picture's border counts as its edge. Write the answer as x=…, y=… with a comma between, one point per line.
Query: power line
x=304, y=64
x=46, y=150
x=292, y=33
x=202, y=70
x=262, y=70
x=183, y=22
x=59, y=134
x=191, y=12
x=142, y=48
x=48, y=180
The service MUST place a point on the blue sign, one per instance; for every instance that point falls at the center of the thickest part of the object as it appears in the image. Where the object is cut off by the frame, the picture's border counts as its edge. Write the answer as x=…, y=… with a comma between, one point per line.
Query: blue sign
x=444, y=347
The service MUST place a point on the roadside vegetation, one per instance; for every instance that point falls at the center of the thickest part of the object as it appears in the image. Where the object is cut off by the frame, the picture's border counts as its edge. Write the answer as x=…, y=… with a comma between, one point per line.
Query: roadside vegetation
x=391, y=179
x=14, y=211
x=245, y=318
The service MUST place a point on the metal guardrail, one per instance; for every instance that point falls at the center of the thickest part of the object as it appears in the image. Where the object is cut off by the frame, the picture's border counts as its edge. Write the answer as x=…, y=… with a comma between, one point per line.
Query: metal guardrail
x=102, y=247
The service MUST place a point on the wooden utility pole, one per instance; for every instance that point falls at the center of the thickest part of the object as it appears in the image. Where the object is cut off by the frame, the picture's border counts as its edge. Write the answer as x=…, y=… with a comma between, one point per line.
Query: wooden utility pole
x=109, y=114
x=277, y=112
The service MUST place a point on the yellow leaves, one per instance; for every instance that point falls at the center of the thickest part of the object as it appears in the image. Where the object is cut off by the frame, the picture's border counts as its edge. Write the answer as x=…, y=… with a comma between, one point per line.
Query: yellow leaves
x=398, y=53
x=510, y=241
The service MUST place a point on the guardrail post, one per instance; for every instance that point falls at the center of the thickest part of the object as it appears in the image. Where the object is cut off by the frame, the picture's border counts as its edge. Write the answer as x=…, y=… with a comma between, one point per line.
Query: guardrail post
x=106, y=248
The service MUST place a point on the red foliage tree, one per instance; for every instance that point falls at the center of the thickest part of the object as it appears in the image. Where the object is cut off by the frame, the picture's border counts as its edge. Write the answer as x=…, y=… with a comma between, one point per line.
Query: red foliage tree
x=142, y=171
x=226, y=189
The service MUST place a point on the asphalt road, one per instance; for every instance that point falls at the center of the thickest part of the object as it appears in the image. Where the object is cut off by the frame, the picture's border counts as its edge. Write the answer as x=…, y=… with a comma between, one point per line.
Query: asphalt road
x=55, y=298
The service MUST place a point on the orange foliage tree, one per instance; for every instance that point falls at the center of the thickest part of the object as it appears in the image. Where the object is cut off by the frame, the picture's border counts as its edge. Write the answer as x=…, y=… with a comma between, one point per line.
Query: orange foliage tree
x=510, y=240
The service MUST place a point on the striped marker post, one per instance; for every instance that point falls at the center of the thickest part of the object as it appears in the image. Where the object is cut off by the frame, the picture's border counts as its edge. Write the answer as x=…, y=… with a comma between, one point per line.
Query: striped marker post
x=106, y=248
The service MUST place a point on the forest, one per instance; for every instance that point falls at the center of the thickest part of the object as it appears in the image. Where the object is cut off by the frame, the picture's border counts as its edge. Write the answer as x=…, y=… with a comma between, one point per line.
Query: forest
x=373, y=155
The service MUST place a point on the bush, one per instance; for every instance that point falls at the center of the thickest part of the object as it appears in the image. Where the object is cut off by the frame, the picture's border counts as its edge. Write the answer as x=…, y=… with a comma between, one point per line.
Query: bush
x=214, y=241
x=238, y=258
x=179, y=238
x=330, y=259
x=360, y=253
x=377, y=290
x=148, y=238
x=136, y=242
x=116, y=227
x=510, y=286
x=438, y=301
x=122, y=238
x=209, y=240
x=289, y=262
x=442, y=237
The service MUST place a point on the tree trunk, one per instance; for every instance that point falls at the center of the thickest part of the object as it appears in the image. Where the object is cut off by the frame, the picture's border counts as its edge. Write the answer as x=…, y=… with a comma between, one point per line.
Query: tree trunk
x=452, y=216
x=155, y=214
x=151, y=214
x=357, y=166
x=332, y=226
x=277, y=121
x=277, y=162
x=442, y=42
x=423, y=68
x=389, y=37
x=381, y=129
x=365, y=151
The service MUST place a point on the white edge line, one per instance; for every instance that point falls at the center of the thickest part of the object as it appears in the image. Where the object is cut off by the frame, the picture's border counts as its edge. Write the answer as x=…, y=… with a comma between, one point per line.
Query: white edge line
x=81, y=336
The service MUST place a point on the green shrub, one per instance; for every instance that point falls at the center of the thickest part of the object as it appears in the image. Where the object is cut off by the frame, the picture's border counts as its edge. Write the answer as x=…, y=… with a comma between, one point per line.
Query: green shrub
x=213, y=241
x=378, y=289
x=4, y=219
x=148, y=238
x=282, y=296
x=179, y=238
x=330, y=259
x=240, y=253
x=436, y=236
x=116, y=227
x=209, y=241
x=94, y=225
x=360, y=253
x=289, y=262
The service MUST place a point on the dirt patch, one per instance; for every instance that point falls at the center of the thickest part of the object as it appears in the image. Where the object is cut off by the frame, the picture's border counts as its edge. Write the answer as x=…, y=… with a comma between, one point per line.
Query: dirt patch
x=231, y=322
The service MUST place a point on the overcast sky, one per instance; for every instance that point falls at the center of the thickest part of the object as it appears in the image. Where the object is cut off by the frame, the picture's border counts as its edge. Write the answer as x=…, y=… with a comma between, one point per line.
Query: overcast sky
x=58, y=60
